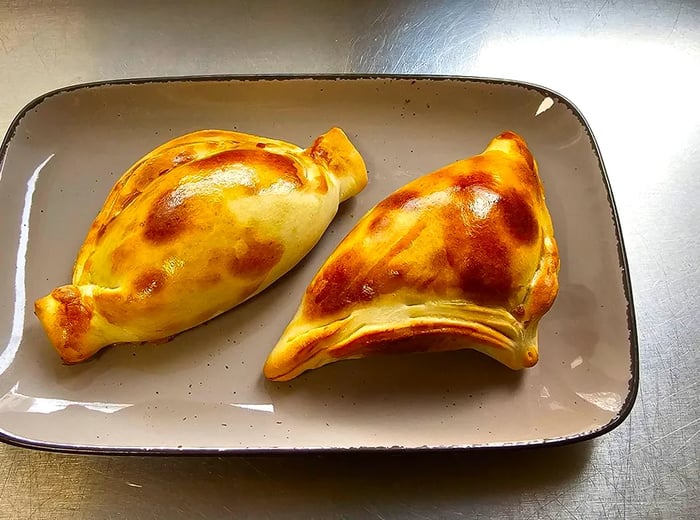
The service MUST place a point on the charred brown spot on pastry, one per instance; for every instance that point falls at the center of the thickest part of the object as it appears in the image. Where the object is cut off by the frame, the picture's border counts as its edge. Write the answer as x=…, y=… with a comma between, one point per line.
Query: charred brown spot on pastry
x=73, y=316
x=480, y=260
x=474, y=179
x=486, y=273
x=327, y=293
x=138, y=178
x=326, y=289
x=379, y=222
x=269, y=166
x=169, y=218
x=518, y=216
x=350, y=280
x=259, y=257
x=383, y=279
x=149, y=282
x=260, y=145
x=398, y=200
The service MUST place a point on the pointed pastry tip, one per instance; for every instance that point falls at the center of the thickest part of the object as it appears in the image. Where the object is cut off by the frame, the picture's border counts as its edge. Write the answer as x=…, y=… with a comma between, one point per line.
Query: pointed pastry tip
x=344, y=162
x=67, y=317
x=510, y=142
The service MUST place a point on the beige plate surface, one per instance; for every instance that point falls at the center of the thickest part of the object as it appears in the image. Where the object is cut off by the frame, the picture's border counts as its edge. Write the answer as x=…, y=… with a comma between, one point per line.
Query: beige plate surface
x=204, y=390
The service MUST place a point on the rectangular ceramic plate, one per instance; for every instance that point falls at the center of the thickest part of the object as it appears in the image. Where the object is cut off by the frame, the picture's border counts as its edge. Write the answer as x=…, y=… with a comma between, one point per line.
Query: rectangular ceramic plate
x=204, y=391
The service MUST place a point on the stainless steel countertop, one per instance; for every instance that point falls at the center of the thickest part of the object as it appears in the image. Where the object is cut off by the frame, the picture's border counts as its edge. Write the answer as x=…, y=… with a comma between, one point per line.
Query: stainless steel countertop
x=633, y=68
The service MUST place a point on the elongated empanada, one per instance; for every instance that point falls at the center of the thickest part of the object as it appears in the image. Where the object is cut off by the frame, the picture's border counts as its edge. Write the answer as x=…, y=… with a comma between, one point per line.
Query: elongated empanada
x=467, y=251
x=194, y=228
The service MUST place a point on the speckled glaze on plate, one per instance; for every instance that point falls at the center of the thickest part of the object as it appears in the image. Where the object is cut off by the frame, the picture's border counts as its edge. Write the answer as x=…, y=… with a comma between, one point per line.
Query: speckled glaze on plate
x=204, y=391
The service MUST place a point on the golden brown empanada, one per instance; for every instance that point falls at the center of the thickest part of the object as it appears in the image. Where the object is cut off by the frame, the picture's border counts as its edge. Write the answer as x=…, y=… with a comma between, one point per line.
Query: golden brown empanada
x=194, y=228
x=467, y=251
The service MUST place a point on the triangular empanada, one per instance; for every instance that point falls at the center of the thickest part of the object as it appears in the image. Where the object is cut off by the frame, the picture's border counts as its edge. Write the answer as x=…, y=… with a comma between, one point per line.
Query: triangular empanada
x=194, y=228
x=467, y=251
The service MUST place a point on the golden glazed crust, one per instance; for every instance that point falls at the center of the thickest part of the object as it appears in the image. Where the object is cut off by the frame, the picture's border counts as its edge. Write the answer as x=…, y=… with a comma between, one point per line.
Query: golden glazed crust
x=195, y=227
x=467, y=252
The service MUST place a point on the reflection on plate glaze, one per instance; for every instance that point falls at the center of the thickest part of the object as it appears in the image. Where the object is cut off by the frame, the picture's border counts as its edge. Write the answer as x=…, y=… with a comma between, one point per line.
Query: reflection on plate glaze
x=8, y=354
x=545, y=398
x=13, y=401
x=269, y=408
x=576, y=362
x=608, y=401
x=546, y=104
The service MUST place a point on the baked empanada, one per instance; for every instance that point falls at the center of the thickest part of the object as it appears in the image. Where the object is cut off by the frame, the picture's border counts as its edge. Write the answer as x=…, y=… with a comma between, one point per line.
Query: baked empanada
x=466, y=252
x=194, y=228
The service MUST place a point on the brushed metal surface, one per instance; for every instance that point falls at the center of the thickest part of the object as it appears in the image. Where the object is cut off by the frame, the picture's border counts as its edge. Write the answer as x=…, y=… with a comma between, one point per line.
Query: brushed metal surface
x=631, y=67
